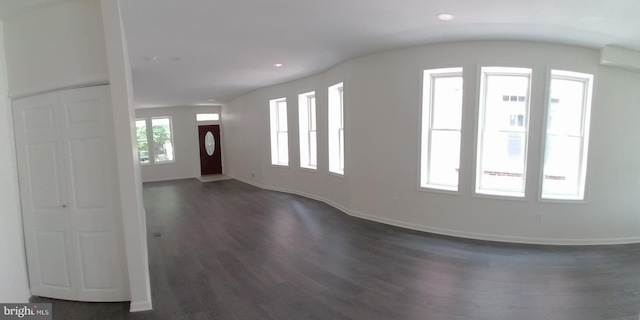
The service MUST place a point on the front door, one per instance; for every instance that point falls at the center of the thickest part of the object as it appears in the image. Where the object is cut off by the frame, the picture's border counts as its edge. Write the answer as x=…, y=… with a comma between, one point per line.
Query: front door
x=210, y=150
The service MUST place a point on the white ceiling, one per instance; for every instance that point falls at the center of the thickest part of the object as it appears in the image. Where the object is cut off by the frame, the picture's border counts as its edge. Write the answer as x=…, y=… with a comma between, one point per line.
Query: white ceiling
x=187, y=52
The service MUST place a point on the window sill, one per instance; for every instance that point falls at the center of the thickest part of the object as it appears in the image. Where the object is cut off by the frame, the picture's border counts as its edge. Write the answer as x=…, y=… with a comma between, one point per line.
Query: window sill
x=500, y=195
x=336, y=174
x=562, y=200
x=163, y=162
x=439, y=189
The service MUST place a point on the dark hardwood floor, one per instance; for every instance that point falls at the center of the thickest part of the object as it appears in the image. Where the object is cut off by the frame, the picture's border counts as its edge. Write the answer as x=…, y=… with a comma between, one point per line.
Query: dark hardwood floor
x=228, y=250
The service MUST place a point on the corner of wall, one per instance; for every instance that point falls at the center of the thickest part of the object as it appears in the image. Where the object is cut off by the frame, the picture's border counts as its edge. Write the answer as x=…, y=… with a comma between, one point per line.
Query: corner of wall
x=13, y=266
x=128, y=170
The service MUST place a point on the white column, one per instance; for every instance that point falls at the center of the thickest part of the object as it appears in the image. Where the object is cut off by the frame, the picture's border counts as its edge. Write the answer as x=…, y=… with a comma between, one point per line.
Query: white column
x=133, y=215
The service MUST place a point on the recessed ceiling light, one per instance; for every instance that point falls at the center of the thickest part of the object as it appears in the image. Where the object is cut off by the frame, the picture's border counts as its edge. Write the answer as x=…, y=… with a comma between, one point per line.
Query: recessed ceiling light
x=211, y=100
x=445, y=16
x=151, y=58
x=278, y=65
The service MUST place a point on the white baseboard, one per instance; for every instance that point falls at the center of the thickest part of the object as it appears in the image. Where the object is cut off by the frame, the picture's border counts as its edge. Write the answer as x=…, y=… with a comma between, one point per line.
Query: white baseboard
x=493, y=237
x=140, y=306
x=450, y=232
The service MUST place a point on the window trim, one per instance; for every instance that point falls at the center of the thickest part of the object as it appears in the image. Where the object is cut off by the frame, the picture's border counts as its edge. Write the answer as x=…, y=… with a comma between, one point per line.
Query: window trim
x=588, y=79
x=215, y=114
x=445, y=72
x=341, y=157
x=151, y=143
x=170, y=138
x=479, y=127
x=304, y=103
x=274, y=125
x=149, y=153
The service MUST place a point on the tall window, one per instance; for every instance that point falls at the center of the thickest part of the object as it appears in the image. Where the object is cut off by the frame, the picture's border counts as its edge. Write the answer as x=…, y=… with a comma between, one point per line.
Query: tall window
x=567, y=135
x=307, y=123
x=279, y=132
x=441, y=126
x=141, y=137
x=160, y=149
x=502, y=131
x=162, y=140
x=336, y=129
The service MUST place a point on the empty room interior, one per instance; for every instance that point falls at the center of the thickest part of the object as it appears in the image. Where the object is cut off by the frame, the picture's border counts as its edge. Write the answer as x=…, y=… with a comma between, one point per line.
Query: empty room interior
x=412, y=159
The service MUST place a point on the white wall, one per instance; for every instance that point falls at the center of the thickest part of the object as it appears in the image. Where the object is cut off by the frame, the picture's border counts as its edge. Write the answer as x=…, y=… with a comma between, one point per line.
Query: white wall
x=382, y=102
x=61, y=45
x=185, y=141
x=13, y=268
x=69, y=34
x=246, y=140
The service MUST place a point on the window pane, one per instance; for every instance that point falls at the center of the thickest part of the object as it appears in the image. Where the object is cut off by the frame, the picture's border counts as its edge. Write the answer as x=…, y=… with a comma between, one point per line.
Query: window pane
x=307, y=118
x=283, y=148
x=447, y=103
x=207, y=117
x=303, y=131
x=335, y=129
x=312, y=113
x=282, y=116
x=341, y=149
x=162, y=141
x=503, y=130
x=141, y=137
x=341, y=105
x=278, y=131
x=445, y=158
x=273, y=129
x=312, y=161
x=565, y=107
x=506, y=102
x=313, y=155
x=561, y=165
x=503, y=161
x=565, y=155
x=441, y=125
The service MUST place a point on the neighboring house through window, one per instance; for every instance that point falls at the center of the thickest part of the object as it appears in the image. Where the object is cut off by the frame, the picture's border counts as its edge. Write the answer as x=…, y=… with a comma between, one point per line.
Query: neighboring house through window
x=503, y=128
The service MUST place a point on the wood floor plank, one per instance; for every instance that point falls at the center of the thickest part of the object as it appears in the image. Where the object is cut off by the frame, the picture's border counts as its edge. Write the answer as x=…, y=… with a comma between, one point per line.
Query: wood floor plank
x=229, y=250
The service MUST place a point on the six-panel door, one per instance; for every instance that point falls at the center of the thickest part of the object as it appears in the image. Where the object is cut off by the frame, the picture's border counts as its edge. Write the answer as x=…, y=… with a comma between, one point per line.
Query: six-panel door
x=71, y=212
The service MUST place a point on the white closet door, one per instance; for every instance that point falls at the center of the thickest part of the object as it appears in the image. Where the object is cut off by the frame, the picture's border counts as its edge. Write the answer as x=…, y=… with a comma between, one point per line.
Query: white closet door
x=43, y=191
x=72, y=222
